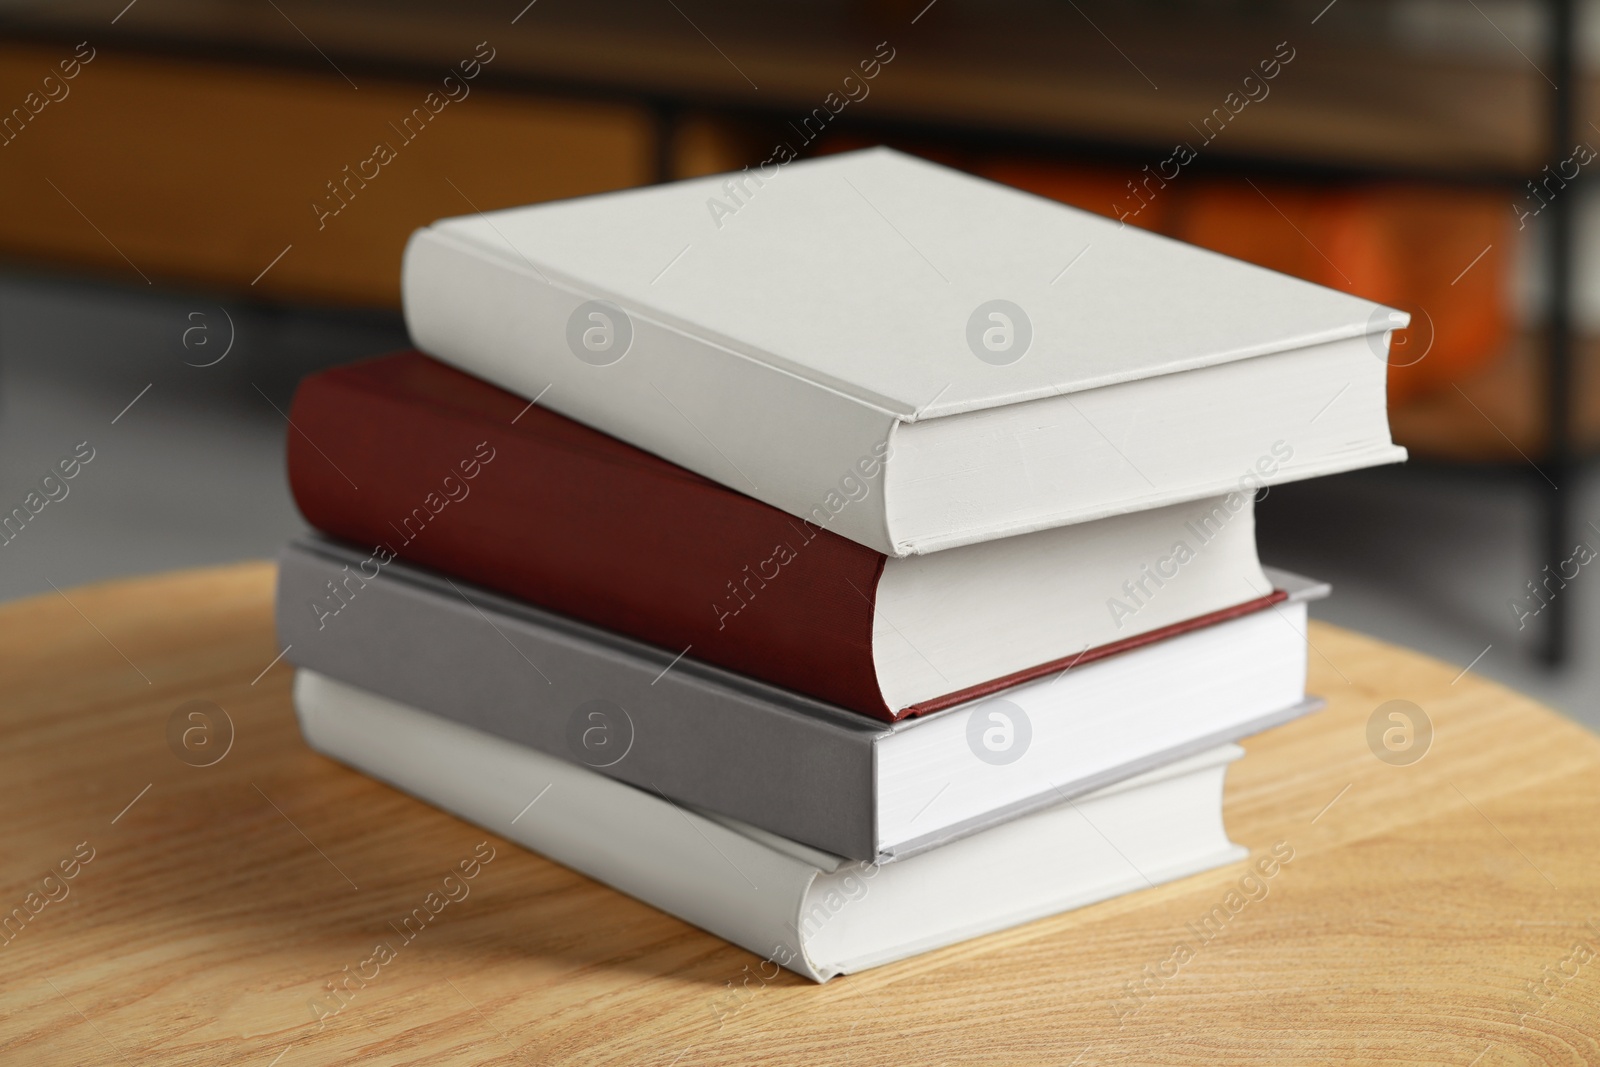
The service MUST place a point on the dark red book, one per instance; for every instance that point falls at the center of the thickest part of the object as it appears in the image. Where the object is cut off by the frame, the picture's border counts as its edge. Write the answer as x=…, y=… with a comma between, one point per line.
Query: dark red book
x=409, y=457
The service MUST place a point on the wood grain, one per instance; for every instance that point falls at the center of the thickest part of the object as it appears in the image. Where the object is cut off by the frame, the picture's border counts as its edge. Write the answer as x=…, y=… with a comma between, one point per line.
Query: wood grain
x=1420, y=902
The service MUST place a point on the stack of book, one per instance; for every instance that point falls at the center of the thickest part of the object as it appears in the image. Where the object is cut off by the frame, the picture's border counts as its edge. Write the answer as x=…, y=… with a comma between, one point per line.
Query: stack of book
x=849, y=558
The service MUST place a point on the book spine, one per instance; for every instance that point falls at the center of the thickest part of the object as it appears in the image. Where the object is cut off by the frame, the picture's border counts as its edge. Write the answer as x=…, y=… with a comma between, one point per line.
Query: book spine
x=759, y=430
x=682, y=730
x=679, y=861
x=529, y=504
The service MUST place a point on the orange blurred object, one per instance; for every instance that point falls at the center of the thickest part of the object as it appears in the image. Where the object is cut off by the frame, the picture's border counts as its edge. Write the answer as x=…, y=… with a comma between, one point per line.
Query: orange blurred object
x=1405, y=245
x=1440, y=253
x=1103, y=190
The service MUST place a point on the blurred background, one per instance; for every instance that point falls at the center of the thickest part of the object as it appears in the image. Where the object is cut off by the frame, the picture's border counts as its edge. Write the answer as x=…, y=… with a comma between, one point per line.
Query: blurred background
x=181, y=237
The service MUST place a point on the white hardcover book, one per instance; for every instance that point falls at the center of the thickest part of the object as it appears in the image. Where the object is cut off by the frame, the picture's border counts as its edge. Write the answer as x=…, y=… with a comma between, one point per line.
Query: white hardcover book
x=908, y=355
x=812, y=912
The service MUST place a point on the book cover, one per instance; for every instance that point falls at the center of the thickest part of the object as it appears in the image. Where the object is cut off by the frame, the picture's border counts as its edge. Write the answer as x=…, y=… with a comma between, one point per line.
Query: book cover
x=813, y=913
x=1010, y=363
x=792, y=765
x=472, y=481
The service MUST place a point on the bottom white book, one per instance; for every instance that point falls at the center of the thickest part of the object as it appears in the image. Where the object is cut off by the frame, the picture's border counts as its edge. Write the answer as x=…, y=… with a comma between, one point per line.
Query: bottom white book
x=812, y=912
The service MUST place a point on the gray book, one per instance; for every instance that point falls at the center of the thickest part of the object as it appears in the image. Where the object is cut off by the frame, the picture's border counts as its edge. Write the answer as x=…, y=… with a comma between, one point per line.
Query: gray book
x=708, y=738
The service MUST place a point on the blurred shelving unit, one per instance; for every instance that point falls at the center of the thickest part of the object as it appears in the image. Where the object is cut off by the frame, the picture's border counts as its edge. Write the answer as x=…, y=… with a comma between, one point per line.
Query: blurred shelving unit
x=204, y=129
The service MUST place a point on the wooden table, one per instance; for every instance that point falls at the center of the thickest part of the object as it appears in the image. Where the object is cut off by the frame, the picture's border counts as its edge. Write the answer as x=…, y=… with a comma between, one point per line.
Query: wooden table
x=1420, y=904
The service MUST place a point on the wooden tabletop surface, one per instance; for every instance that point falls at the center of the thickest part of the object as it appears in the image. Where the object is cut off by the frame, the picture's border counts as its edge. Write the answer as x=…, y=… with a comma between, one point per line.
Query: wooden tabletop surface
x=1441, y=910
